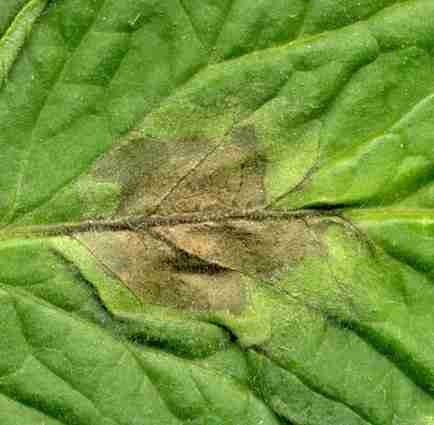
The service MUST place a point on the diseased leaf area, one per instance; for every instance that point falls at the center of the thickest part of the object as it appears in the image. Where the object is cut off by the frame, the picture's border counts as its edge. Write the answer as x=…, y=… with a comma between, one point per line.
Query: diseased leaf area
x=216, y=212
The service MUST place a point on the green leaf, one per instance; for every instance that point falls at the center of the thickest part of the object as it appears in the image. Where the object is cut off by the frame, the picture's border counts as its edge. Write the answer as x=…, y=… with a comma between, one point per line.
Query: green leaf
x=217, y=212
x=14, y=37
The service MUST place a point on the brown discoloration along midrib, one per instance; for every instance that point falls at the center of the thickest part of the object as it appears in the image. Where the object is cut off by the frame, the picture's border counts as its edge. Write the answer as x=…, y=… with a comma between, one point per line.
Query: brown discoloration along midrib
x=200, y=266
x=191, y=226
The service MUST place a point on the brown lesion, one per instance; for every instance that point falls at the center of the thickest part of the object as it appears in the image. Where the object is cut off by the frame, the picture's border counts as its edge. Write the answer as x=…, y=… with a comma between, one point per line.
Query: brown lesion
x=228, y=180
x=186, y=175
x=146, y=169
x=194, y=266
x=201, y=267
x=258, y=249
x=160, y=274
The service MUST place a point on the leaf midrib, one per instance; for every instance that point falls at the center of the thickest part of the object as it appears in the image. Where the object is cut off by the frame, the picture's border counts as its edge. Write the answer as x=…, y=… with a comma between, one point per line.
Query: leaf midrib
x=146, y=221
x=142, y=222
